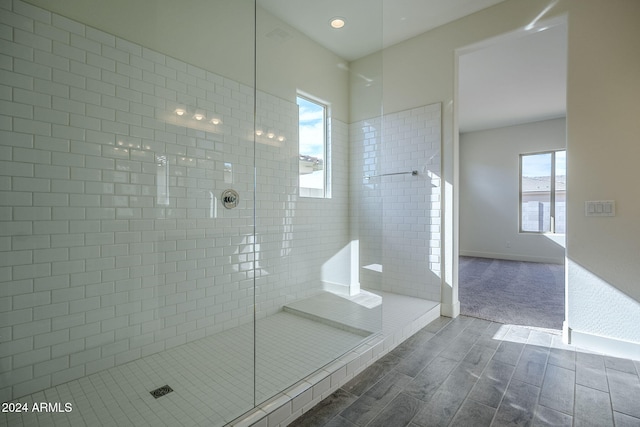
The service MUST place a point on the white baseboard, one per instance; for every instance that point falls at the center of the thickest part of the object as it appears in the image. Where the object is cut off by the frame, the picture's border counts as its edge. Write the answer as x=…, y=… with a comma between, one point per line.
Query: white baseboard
x=341, y=289
x=566, y=332
x=450, y=310
x=513, y=257
x=604, y=345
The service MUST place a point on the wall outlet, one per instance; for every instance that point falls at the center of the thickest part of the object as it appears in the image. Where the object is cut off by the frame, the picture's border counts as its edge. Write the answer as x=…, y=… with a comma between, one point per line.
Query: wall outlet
x=508, y=244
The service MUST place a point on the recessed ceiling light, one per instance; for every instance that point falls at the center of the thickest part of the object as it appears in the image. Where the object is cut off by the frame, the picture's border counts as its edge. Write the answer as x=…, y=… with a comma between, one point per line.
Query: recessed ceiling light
x=337, y=22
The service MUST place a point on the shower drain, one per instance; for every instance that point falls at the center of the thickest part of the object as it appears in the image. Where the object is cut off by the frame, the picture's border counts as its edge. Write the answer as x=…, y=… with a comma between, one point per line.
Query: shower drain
x=161, y=391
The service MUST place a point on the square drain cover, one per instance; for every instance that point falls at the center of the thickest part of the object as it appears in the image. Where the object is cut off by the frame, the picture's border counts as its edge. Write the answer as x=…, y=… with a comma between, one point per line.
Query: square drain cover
x=161, y=391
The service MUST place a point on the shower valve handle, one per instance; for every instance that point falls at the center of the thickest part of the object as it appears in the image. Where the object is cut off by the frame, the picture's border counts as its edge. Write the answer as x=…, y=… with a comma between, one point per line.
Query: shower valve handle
x=230, y=198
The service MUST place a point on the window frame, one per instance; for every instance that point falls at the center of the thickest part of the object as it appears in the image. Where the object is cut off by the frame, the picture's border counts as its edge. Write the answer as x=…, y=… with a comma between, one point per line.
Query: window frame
x=326, y=189
x=552, y=190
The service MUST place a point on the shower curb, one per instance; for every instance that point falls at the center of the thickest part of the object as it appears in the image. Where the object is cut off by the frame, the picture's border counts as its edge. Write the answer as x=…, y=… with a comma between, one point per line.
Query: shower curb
x=285, y=407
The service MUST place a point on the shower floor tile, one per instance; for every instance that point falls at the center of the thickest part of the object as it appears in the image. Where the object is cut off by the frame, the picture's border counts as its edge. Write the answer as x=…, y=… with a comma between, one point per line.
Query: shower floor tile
x=213, y=378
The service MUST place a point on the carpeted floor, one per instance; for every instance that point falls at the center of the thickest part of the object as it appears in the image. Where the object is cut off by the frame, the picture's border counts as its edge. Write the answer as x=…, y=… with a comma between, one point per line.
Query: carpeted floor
x=513, y=292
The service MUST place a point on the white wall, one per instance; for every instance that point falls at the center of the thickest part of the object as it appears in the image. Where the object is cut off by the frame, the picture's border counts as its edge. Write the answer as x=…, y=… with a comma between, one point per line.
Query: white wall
x=218, y=36
x=602, y=129
x=489, y=192
x=291, y=61
x=192, y=31
x=603, y=149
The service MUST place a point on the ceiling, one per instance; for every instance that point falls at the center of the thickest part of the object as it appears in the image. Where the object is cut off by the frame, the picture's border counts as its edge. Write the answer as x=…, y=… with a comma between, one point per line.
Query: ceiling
x=370, y=25
x=517, y=79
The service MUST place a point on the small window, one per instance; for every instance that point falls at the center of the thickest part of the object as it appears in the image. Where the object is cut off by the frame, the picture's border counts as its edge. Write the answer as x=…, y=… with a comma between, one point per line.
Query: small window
x=543, y=192
x=312, y=148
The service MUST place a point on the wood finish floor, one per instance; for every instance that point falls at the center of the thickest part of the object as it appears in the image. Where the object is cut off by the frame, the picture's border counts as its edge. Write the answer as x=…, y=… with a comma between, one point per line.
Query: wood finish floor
x=471, y=372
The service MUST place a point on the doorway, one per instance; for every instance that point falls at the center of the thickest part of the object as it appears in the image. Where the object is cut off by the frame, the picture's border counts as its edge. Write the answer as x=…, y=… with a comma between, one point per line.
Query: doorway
x=511, y=93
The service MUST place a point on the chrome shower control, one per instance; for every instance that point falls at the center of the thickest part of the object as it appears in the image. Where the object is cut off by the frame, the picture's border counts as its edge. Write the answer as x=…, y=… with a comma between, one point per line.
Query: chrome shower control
x=230, y=198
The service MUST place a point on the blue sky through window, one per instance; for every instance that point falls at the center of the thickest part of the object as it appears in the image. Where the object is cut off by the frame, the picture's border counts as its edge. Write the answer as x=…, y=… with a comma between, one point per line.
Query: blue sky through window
x=537, y=165
x=311, y=118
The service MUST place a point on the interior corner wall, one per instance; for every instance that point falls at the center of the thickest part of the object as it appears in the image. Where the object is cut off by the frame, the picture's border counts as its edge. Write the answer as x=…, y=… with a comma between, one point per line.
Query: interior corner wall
x=289, y=61
x=489, y=192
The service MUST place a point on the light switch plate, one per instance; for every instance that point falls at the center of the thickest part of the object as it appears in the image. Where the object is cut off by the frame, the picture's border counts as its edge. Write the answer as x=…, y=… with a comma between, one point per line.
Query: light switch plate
x=600, y=208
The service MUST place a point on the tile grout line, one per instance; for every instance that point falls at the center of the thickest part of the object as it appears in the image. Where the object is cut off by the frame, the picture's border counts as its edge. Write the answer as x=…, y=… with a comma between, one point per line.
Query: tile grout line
x=456, y=366
x=544, y=373
x=606, y=374
x=504, y=393
x=387, y=405
x=466, y=398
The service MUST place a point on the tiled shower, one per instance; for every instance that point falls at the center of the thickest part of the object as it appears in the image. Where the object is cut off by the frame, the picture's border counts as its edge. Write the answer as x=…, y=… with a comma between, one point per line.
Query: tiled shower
x=121, y=271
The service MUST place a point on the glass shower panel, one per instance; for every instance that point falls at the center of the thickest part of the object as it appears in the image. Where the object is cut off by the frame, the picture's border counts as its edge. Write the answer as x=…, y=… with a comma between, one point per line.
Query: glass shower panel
x=310, y=306
x=366, y=159
x=126, y=285
x=395, y=190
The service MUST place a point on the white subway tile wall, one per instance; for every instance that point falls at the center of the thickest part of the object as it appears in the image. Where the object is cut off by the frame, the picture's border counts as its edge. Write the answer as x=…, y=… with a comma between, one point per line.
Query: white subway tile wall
x=398, y=217
x=113, y=242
